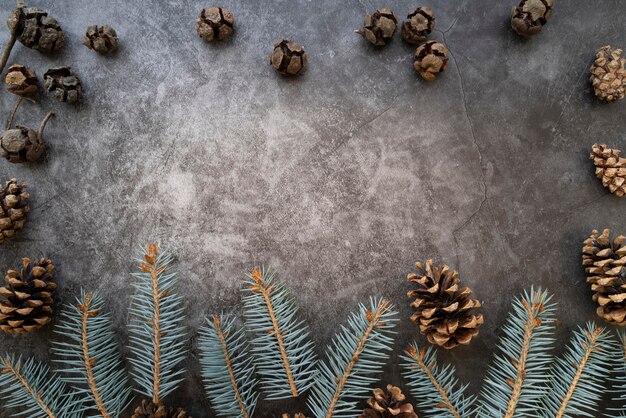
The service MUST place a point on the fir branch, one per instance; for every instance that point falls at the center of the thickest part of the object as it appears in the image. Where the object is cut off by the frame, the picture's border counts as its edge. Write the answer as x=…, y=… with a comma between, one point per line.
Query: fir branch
x=283, y=351
x=227, y=368
x=354, y=361
x=436, y=389
x=579, y=375
x=516, y=381
x=156, y=330
x=90, y=358
x=618, y=386
x=37, y=393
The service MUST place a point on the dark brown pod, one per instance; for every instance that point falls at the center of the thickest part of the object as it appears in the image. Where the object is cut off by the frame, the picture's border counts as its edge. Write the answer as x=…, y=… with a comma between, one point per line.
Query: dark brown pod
x=215, y=23
x=102, y=39
x=62, y=84
x=288, y=58
x=418, y=25
x=430, y=59
x=36, y=30
x=529, y=16
x=22, y=144
x=379, y=27
x=21, y=80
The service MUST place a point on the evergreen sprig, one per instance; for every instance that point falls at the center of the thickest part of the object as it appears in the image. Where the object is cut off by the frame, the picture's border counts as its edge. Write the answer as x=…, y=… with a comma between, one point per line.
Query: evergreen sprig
x=618, y=386
x=89, y=359
x=436, y=389
x=354, y=361
x=156, y=329
x=281, y=345
x=227, y=368
x=34, y=391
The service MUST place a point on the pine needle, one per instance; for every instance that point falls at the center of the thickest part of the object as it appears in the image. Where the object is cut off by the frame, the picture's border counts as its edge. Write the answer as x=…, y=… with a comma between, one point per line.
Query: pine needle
x=618, y=386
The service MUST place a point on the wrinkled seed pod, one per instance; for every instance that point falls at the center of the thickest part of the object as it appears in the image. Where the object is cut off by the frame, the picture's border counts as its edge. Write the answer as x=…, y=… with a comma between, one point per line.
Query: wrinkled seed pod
x=61, y=83
x=21, y=80
x=288, y=58
x=20, y=145
x=215, y=23
x=37, y=30
x=418, y=25
x=102, y=39
x=379, y=27
x=608, y=75
x=430, y=59
x=529, y=16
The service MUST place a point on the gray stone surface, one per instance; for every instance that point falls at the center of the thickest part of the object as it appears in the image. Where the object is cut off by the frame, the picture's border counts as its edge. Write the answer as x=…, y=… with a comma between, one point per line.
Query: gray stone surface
x=341, y=179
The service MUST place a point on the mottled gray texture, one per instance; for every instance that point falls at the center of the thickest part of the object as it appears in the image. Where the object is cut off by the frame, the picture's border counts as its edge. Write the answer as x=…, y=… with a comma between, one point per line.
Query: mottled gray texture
x=341, y=178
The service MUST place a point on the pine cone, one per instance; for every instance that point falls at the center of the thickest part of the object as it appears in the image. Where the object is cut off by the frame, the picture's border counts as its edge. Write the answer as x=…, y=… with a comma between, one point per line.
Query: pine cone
x=604, y=262
x=608, y=75
x=61, y=83
x=610, y=168
x=529, y=17
x=13, y=209
x=388, y=404
x=443, y=310
x=430, y=58
x=102, y=39
x=215, y=23
x=418, y=25
x=21, y=144
x=288, y=58
x=37, y=30
x=147, y=409
x=379, y=27
x=296, y=415
x=26, y=298
x=21, y=80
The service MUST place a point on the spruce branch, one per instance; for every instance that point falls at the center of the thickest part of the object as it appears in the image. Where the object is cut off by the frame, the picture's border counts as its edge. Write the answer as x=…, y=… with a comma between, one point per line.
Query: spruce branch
x=281, y=345
x=354, y=360
x=436, y=389
x=89, y=359
x=618, y=386
x=227, y=368
x=156, y=329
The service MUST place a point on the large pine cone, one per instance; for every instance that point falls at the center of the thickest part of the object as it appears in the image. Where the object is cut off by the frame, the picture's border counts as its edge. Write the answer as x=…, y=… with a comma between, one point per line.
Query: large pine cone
x=102, y=39
x=62, y=84
x=431, y=58
x=13, y=209
x=608, y=75
x=610, y=168
x=215, y=23
x=26, y=297
x=21, y=80
x=35, y=29
x=21, y=144
x=388, y=404
x=604, y=262
x=288, y=58
x=147, y=409
x=529, y=17
x=444, y=312
x=379, y=27
x=418, y=25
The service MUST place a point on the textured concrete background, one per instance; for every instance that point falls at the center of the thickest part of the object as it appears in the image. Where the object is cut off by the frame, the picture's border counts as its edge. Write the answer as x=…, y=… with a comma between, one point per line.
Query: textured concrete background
x=341, y=178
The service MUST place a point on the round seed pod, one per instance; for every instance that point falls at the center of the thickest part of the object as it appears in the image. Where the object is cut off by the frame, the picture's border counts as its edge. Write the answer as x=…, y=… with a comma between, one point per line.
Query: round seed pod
x=430, y=59
x=529, y=16
x=288, y=58
x=379, y=27
x=20, y=145
x=418, y=25
x=215, y=23
x=102, y=39
x=21, y=80
x=37, y=30
x=61, y=83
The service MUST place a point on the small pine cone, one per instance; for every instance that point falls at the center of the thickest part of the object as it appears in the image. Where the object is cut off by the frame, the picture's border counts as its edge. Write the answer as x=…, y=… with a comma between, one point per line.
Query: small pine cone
x=37, y=30
x=418, y=25
x=388, y=404
x=296, y=415
x=21, y=145
x=430, y=59
x=379, y=27
x=147, y=409
x=26, y=297
x=13, y=209
x=21, y=80
x=289, y=58
x=102, y=39
x=530, y=15
x=61, y=83
x=608, y=75
x=215, y=23
x=444, y=312
x=604, y=262
x=610, y=168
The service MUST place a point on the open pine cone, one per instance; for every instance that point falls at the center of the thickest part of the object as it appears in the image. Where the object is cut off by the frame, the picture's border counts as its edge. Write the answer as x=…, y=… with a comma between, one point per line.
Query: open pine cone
x=444, y=311
x=604, y=262
x=431, y=58
x=13, y=209
x=288, y=58
x=610, y=168
x=147, y=409
x=418, y=25
x=379, y=27
x=36, y=30
x=530, y=15
x=26, y=297
x=296, y=415
x=62, y=84
x=102, y=39
x=21, y=80
x=608, y=75
x=388, y=404
x=215, y=23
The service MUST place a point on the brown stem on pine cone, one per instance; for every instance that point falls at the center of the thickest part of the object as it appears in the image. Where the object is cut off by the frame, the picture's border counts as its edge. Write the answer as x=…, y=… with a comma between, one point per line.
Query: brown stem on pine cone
x=16, y=372
x=151, y=267
x=13, y=25
x=43, y=125
x=17, y=105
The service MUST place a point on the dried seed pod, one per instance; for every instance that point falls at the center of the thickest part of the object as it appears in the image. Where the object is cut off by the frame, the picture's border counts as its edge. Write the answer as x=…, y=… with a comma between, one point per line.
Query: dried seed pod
x=379, y=27
x=430, y=59
x=610, y=168
x=102, y=39
x=530, y=15
x=296, y=415
x=148, y=409
x=39, y=31
x=389, y=403
x=21, y=80
x=61, y=83
x=288, y=58
x=608, y=75
x=418, y=25
x=22, y=144
x=13, y=209
x=215, y=23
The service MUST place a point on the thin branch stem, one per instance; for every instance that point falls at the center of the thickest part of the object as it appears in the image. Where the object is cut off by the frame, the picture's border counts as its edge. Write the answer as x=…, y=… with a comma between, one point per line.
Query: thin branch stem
x=13, y=25
x=43, y=125
x=229, y=364
x=152, y=267
x=17, y=105
x=15, y=371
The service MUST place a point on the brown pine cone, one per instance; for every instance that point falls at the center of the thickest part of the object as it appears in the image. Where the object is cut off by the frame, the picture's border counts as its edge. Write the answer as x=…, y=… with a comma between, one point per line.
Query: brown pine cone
x=430, y=59
x=288, y=58
x=215, y=23
x=418, y=25
x=102, y=39
x=388, y=404
x=530, y=15
x=604, y=262
x=62, y=84
x=35, y=29
x=21, y=80
x=296, y=415
x=608, y=75
x=379, y=27
x=610, y=168
x=21, y=144
x=26, y=297
x=13, y=209
x=444, y=312
x=147, y=409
